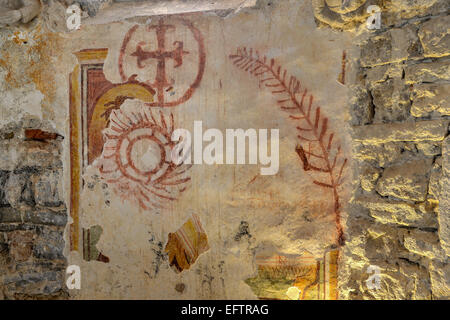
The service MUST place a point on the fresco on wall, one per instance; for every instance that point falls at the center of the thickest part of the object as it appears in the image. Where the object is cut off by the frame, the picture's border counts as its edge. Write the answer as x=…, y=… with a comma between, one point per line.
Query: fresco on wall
x=136, y=157
x=216, y=228
x=186, y=244
x=90, y=239
x=92, y=98
x=148, y=51
x=316, y=144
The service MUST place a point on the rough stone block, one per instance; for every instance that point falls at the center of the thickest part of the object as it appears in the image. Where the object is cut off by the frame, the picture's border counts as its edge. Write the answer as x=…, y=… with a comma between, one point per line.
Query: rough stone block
x=361, y=109
x=18, y=188
x=382, y=243
x=21, y=243
x=4, y=176
x=34, y=283
x=435, y=37
x=428, y=98
x=391, y=101
x=400, y=280
x=369, y=177
x=387, y=154
x=30, y=186
x=425, y=244
x=417, y=280
x=381, y=154
x=429, y=149
x=40, y=154
x=49, y=244
x=431, y=71
x=17, y=154
x=377, y=50
x=434, y=130
x=33, y=216
x=43, y=250
x=40, y=135
x=440, y=281
x=444, y=201
x=408, y=181
x=407, y=9
x=396, y=212
x=46, y=189
x=382, y=73
x=394, y=45
x=434, y=186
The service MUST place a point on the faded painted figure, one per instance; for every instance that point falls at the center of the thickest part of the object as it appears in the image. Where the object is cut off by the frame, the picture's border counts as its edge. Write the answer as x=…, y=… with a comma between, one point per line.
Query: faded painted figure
x=13, y=11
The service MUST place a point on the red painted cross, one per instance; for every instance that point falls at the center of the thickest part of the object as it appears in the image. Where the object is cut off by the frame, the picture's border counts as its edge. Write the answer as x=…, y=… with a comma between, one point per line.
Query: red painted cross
x=161, y=55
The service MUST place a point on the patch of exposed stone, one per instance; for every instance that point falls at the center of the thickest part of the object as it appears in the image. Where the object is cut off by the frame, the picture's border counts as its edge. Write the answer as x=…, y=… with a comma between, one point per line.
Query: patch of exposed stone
x=32, y=212
x=398, y=218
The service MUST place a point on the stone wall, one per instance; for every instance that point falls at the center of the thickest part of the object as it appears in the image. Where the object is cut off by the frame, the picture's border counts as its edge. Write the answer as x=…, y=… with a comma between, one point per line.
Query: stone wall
x=32, y=213
x=400, y=117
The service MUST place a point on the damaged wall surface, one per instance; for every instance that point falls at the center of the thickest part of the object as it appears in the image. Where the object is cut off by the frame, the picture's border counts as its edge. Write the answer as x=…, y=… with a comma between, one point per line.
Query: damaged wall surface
x=87, y=176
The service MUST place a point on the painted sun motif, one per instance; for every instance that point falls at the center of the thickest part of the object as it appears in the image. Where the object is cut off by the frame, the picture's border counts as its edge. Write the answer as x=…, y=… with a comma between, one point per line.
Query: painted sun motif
x=137, y=156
